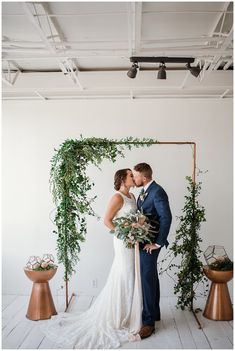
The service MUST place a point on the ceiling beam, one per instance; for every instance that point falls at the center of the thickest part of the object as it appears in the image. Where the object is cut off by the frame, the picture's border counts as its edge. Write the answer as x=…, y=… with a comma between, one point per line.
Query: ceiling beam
x=120, y=89
x=27, y=7
x=202, y=40
x=227, y=65
x=176, y=46
x=224, y=46
x=138, y=26
x=205, y=53
x=40, y=95
x=118, y=96
x=220, y=18
x=120, y=13
x=224, y=93
x=130, y=26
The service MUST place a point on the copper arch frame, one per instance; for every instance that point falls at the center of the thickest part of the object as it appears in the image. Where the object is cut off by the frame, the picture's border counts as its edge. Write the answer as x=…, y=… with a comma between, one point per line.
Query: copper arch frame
x=68, y=301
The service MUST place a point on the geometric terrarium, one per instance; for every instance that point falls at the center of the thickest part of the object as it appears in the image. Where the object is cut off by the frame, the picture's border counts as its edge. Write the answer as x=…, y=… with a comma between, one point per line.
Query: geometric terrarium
x=217, y=258
x=33, y=262
x=47, y=260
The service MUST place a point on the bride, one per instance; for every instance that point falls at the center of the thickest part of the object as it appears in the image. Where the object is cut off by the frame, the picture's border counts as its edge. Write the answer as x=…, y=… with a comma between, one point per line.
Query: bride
x=115, y=316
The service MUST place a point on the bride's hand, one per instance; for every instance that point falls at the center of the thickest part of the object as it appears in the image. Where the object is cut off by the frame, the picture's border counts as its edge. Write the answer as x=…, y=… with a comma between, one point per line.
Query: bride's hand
x=150, y=247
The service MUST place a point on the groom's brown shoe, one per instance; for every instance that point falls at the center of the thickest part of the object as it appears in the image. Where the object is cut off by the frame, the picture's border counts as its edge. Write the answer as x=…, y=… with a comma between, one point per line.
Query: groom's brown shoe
x=146, y=331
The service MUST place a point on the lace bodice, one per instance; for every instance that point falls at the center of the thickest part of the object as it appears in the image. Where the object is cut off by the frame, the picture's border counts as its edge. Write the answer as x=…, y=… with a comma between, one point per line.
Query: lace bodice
x=128, y=205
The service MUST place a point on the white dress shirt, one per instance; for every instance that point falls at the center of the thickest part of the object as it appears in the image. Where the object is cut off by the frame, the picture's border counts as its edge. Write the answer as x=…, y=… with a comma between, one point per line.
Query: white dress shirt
x=147, y=185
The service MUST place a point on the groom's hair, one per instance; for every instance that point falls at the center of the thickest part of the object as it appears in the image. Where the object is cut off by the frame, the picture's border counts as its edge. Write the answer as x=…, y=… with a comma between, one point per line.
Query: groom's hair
x=119, y=177
x=145, y=169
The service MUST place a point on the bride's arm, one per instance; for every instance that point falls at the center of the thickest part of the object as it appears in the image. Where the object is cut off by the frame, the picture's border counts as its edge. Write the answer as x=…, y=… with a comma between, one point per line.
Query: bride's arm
x=114, y=206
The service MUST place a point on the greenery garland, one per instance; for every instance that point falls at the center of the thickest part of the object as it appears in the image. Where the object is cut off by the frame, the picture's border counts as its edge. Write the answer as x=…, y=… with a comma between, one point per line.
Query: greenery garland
x=70, y=185
x=189, y=272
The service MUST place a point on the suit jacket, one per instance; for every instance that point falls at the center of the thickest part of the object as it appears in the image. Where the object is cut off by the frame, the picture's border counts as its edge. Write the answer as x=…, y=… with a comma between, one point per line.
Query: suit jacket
x=155, y=206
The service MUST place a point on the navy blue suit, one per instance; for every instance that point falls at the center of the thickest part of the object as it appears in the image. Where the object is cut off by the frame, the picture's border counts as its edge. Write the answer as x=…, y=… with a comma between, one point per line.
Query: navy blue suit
x=155, y=206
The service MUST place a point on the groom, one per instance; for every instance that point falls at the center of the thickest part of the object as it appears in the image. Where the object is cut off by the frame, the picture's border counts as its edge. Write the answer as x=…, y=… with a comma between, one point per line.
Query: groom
x=153, y=202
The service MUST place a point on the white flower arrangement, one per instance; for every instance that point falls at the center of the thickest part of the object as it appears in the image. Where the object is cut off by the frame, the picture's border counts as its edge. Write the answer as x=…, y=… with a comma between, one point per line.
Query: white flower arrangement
x=35, y=263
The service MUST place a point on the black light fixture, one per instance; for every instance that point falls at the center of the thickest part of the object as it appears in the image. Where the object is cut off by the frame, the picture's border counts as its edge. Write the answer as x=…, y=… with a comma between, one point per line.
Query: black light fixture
x=195, y=71
x=133, y=70
x=162, y=71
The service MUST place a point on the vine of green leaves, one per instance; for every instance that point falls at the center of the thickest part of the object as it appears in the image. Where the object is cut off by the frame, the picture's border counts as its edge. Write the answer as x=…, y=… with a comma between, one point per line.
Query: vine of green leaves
x=189, y=272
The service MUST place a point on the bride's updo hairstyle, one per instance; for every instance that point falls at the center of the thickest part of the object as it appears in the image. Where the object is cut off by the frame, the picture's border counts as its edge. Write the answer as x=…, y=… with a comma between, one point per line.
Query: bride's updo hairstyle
x=119, y=177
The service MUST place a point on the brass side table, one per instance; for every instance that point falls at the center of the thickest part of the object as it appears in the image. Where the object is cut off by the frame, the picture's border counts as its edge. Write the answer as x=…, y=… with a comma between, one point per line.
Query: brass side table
x=218, y=305
x=41, y=305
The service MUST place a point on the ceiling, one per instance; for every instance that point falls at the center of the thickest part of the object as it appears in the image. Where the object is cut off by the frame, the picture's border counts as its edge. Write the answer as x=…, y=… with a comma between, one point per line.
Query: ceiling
x=78, y=50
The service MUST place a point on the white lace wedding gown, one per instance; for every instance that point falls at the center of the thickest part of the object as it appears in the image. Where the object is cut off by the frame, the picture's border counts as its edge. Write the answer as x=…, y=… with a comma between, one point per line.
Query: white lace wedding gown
x=115, y=315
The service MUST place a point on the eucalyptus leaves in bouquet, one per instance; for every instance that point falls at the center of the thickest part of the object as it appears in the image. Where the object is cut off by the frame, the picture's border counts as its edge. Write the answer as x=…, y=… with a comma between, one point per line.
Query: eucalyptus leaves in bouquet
x=133, y=228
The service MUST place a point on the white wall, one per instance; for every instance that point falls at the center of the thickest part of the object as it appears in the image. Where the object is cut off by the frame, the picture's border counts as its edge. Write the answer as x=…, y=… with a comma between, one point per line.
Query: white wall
x=31, y=131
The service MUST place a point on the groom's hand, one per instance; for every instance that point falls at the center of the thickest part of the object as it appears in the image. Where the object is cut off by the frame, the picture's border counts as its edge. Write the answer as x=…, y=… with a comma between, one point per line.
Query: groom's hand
x=150, y=247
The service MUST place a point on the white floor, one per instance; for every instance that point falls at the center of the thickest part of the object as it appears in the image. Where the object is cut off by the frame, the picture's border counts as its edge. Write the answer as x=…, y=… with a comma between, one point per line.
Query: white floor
x=177, y=329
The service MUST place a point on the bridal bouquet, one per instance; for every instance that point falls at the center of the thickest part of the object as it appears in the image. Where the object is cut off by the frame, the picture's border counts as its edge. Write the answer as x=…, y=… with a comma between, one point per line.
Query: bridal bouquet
x=133, y=228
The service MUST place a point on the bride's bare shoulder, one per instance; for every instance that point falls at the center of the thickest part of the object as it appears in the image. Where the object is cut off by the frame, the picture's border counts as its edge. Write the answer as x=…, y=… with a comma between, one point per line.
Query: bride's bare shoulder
x=116, y=201
x=117, y=197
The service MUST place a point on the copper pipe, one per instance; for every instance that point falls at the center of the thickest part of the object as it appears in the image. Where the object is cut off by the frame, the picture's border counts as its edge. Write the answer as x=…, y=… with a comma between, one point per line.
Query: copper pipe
x=194, y=163
x=66, y=292
x=175, y=142
x=151, y=143
x=198, y=322
x=71, y=297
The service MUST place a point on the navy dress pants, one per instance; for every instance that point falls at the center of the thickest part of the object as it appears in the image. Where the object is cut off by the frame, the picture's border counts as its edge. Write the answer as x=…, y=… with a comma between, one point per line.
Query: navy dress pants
x=150, y=287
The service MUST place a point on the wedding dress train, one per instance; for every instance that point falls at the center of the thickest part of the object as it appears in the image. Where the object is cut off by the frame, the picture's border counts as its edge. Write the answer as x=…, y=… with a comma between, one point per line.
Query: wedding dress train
x=115, y=315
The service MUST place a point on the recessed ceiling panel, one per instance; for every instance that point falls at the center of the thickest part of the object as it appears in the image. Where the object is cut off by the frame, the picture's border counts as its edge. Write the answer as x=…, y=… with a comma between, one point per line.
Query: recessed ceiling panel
x=87, y=7
x=177, y=25
x=90, y=28
x=186, y=6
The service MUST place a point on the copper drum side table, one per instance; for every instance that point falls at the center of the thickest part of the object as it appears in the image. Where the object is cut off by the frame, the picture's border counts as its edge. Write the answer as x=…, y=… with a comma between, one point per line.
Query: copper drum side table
x=41, y=305
x=218, y=305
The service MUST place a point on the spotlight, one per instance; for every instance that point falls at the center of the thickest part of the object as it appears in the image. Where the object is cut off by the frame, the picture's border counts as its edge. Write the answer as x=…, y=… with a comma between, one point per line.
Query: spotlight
x=195, y=71
x=162, y=71
x=133, y=71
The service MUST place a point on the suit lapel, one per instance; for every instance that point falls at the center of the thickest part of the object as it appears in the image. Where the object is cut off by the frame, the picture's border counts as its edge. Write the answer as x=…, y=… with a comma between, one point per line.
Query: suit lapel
x=146, y=194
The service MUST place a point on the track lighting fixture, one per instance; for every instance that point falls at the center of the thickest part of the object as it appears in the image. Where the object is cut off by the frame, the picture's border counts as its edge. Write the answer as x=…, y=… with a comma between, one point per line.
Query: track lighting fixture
x=195, y=71
x=162, y=71
x=133, y=70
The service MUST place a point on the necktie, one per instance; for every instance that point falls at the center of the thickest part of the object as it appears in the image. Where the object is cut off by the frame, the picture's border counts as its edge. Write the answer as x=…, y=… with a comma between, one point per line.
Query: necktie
x=142, y=191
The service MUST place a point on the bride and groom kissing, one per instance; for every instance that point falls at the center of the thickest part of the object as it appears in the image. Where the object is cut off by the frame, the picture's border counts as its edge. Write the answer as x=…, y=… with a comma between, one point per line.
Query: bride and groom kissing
x=128, y=306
